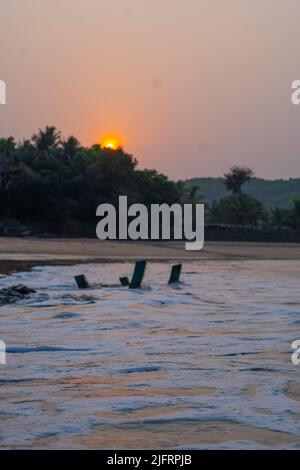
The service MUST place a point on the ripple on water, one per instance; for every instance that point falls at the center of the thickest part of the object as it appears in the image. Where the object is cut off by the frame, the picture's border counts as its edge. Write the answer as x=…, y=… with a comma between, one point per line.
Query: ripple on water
x=204, y=365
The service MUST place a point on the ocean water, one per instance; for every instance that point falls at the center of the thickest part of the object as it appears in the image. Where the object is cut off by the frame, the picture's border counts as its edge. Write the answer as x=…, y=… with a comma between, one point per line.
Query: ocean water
x=205, y=364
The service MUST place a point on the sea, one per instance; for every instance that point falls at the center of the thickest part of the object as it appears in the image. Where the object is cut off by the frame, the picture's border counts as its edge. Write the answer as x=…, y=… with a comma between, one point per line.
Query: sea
x=202, y=364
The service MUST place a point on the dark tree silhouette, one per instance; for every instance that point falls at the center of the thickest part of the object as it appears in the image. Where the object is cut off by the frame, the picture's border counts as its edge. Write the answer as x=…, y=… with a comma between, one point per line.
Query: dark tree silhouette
x=55, y=185
x=70, y=147
x=296, y=213
x=47, y=139
x=236, y=177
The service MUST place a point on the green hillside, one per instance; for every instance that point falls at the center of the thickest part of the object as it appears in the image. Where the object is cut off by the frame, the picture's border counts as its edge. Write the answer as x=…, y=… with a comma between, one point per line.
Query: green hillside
x=273, y=193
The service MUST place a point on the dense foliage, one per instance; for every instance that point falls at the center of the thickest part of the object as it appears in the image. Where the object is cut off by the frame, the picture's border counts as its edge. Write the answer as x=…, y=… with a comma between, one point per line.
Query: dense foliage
x=55, y=185
x=241, y=207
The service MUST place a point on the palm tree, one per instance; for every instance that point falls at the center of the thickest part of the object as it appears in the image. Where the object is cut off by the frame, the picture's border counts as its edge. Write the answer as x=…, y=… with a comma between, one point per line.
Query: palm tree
x=194, y=197
x=47, y=139
x=190, y=194
x=7, y=146
x=236, y=177
x=70, y=147
x=8, y=168
x=213, y=211
x=279, y=216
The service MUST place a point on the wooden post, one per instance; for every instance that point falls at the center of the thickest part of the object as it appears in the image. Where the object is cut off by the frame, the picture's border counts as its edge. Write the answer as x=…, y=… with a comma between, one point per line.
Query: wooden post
x=138, y=274
x=81, y=281
x=175, y=273
x=124, y=281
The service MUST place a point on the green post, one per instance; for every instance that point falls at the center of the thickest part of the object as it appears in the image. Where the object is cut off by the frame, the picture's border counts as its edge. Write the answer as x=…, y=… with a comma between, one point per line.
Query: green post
x=175, y=273
x=124, y=281
x=138, y=274
x=81, y=281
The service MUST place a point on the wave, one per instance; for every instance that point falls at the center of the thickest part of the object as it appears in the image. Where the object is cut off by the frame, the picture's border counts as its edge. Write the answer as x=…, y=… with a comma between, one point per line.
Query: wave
x=42, y=348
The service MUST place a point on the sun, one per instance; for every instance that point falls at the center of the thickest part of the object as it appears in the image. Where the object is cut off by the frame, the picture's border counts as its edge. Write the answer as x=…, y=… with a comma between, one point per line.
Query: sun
x=111, y=142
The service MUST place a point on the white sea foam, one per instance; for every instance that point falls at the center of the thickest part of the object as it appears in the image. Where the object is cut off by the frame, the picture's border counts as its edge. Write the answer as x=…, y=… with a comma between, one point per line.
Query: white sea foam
x=203, y=365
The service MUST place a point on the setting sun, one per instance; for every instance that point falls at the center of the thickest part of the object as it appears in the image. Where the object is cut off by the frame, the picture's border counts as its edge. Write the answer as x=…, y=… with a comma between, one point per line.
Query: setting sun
x=111, y=142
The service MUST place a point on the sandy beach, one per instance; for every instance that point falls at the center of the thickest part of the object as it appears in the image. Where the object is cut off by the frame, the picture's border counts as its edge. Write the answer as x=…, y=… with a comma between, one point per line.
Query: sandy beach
x=24, y=253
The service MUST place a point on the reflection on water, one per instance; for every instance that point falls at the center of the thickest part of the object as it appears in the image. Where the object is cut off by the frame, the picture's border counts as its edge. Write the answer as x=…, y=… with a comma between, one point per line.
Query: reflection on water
x=203, y=365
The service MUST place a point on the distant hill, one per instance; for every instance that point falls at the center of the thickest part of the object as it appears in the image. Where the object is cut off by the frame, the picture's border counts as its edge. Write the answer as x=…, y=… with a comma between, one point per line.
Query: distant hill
x=273, y=193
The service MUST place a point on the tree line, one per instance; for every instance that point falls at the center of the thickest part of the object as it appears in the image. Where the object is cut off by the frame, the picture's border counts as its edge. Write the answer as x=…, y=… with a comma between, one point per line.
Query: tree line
x=54, y=185
x=242, y=209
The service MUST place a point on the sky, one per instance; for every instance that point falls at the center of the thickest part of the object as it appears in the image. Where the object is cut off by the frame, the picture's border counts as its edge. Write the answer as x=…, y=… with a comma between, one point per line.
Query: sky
x=192, y=87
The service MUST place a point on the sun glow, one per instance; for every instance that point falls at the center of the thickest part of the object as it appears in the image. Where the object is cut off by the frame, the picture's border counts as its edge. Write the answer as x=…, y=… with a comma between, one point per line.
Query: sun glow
x=111, y=142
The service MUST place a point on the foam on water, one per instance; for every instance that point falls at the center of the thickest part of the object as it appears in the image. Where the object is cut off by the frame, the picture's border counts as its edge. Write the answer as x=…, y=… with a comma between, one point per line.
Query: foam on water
x=204, y=364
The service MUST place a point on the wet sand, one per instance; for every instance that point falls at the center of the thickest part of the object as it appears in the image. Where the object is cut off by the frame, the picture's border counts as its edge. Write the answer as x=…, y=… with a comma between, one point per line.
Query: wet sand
x=23, y=253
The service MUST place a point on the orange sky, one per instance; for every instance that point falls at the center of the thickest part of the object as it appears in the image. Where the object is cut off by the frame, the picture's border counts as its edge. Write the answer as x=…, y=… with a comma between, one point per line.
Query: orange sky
x=191, y=86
